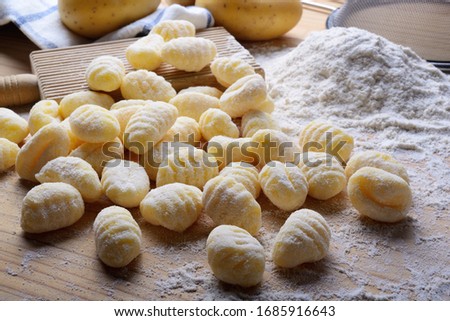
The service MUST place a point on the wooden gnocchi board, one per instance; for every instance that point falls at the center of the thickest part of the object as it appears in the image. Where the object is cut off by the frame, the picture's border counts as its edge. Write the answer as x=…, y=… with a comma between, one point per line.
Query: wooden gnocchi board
x=61, y=71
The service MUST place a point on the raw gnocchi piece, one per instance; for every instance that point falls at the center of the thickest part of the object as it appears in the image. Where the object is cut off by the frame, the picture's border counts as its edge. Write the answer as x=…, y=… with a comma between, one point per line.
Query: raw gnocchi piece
x=284, y=185
x=174, y=206
x=145, y=53
x=228, y=202
x=72, y=101
x=94, y=124
x=123, y=116
x=228, y=70
x=8, y=154
x=214, y=122
x=320, y=136
x=206, y=90
x=43, y=113
x=146, y=85
x=234, y=256
x=73, y=171
x=12, y=126
x=187, y=165
x=255, y=120
x=51, y=206
x=185, y=130
x=117, y=236
x=190, y=54
x=303, y=238
x=248, y=93
x=48, y=143
x=125, y=103
x=125, y=182
x=172, y=29
x=100, y=153
x=148, y=125
x=244, y=173
x=74, y=140
x=380, y=195
x=105, y=73
x=227, y=150
x=274, y=145
x=193, y=104
x=378, y=160
x=324, y=173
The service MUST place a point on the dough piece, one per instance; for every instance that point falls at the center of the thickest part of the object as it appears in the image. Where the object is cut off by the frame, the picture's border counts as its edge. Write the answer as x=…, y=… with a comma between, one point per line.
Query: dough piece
x=185, y=130
x=128, y=103
x=228, y=202
x=214, y=122
x=125, y=182
x=12, y=126
x=303, y=238
x=73, y=171
x=234, y=256
x=48, y=143
x=274, y=145
x=43, y=113
x=378, y=160
x=206, y=90
x=145, y=53
x=146, y=85
x=123, y=116
x=193, y=104
x=175, y=206
x=117, y=236
x=8, y=154
x=105, y=73
x=190, y=54
x=74, y=140
x=227, y=150
x=320, y=136
x=148, y=126
x=99, y=154
x=248, y=93
x=324, y=173
x=228, y=70
x=284, y=185
x=187, y=165
x=72, y=101
x=244, y=173
x=51, y=206
x=172, y=29
x=380, y=195
x=255, y=120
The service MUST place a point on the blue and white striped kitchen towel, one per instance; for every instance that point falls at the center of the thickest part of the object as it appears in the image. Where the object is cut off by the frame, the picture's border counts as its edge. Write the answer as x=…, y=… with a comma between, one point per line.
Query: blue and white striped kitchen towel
x=39, y=20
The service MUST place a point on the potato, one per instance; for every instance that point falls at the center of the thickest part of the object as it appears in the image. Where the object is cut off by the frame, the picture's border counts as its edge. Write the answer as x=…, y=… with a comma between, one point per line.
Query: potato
x=181, y=2
x=95, y=18
x=254, y=19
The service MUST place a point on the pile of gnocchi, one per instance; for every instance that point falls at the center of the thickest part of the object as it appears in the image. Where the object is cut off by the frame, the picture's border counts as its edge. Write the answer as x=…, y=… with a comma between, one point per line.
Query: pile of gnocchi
x=209, y=152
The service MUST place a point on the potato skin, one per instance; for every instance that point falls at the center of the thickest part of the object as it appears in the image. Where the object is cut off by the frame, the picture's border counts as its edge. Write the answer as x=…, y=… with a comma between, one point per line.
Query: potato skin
x=254, y=20
x=95, y=18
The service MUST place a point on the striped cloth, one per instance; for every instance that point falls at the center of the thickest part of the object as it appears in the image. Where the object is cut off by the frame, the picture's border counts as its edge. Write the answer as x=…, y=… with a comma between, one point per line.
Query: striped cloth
x=39, y=21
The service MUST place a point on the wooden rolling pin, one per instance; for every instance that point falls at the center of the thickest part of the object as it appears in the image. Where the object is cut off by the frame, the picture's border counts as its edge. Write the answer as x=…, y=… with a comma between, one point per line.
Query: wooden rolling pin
x=17, y=90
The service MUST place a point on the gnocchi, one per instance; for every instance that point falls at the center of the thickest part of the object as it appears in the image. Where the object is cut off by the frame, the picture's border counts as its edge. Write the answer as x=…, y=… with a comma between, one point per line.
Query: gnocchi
x=284, y=185
x=51, y=206
x=146, y=85
x=380, y=195
x=234, y=256
x=193, y=104
x=185, y=130
x=228, y=202
x=43, y=113
x=227, y=150
x=12, y=126
x=228, y=70
x=125, y=103
x=172, y=29
x=303, y=238
x=244, y=173
x=214, y=122
x=206, y=90
x=8, y=154
x=255, y=120
x=105, y=73
x=74, y=140
x=174, y=206
x=189, y=54
x=123, y=116
x=73, y=171
x=145, y=53
x=117, y=236
x=274, y=145
x=72, y=101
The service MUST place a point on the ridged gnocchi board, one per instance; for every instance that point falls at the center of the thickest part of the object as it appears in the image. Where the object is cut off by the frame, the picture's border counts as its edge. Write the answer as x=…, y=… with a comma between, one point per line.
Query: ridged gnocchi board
x=61, y=71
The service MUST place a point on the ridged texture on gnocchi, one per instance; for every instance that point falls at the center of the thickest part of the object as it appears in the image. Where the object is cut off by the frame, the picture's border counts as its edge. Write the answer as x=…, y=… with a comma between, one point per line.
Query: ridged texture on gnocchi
x=324, y=173
x=215, y=122
x=51, y=206
x=146, y=85
x=174, y=206
x=244, y=173
x=190, y=54
x=172, y=29
x=206, y=90
x=255, y=120
x=234, y=256
x=274, y=145
x=74, y=140
x=105, y=73
x=128, y=103
x=303, y=238
x=193, y=104
x=8, y=154
x=72, y=101
x=117, y=236
x=185, y=130
x=145, y=53
x=380, y=195
x=12, y=126
x=43, y=113
x=123, y=116
x=320, y=136
x=228, y=202
x=228, y=70
x=227, y=150
x=73, y=171
x=284, y=185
